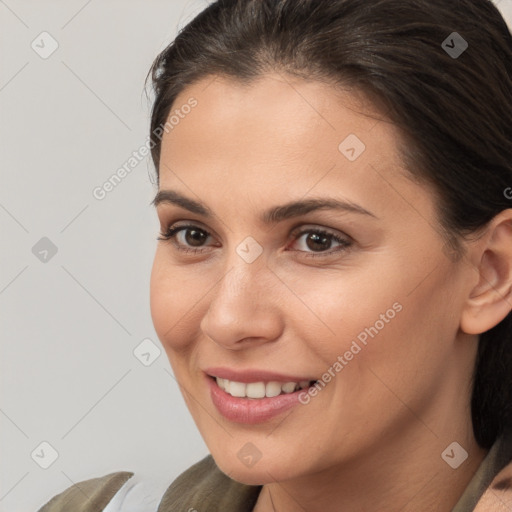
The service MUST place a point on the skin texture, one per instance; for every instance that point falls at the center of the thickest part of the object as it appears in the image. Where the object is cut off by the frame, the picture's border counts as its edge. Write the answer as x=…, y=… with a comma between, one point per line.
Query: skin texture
x=376, y=432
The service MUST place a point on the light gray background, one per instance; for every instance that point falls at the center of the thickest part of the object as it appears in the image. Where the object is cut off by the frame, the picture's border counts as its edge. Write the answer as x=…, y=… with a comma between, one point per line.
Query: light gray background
x=69, y=325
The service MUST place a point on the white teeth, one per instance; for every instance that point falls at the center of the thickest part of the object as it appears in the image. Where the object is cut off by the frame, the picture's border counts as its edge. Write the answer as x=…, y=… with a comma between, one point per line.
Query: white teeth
x=237, y=389
x=272, y=389
x=289, y=387
x=255, y=390
x=259, y=389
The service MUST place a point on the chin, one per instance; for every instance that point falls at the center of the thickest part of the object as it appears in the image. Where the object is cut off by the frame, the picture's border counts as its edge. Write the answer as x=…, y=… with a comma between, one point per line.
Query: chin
x=247, y=476
x=260, y=473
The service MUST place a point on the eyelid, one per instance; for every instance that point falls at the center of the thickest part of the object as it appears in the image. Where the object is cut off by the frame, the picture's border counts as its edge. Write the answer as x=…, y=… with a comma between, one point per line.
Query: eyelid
x=167, y=225
x=305, y=228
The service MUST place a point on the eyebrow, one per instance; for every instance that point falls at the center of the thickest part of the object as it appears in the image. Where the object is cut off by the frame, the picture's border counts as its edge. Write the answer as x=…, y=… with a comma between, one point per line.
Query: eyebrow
x=271, y=216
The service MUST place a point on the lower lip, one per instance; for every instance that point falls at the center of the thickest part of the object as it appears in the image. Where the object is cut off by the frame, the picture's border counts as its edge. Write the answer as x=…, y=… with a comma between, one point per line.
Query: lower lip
x=251, y=410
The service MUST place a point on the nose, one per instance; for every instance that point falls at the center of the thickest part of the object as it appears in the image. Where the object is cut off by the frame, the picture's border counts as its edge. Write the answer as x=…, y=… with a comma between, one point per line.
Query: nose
x=245, y=307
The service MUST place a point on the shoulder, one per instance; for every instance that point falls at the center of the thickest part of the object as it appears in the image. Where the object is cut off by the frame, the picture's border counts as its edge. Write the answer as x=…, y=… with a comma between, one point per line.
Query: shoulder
x=498, y=496
x=201, y=485
x=91, y=495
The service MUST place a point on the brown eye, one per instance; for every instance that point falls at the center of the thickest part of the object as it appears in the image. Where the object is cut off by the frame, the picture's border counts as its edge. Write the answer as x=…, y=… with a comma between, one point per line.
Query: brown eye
x=317, y=242
x=185, y=237
x=195, y=237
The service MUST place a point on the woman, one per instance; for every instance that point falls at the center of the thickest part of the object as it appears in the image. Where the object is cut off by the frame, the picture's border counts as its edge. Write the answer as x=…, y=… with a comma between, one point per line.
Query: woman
x=332, y=282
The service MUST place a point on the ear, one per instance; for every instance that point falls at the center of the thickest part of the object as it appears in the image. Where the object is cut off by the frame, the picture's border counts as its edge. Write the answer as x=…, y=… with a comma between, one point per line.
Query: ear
x=490, y=301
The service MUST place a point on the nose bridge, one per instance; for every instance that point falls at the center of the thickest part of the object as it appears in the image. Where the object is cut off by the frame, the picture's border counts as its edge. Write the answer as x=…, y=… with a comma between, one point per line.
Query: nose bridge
x=241, y=283
x=241, y=304
x=246, y=268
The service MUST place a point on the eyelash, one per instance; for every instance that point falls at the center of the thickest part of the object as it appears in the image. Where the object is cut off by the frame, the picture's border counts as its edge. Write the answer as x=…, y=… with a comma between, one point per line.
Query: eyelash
x=344, y=243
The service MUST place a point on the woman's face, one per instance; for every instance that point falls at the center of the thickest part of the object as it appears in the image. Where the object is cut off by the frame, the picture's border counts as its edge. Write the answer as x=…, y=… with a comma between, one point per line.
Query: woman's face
x=358, y=295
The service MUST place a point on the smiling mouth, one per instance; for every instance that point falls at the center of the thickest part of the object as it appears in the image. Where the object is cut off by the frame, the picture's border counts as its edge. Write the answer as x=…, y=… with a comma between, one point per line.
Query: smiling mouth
x=261, y=389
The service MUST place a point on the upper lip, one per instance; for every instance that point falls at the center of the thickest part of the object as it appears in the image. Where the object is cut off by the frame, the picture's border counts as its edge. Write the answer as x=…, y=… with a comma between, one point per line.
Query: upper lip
x=254, y=375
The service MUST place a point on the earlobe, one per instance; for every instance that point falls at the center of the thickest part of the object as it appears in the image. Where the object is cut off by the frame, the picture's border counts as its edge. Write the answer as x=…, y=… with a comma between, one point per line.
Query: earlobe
x=490, y=301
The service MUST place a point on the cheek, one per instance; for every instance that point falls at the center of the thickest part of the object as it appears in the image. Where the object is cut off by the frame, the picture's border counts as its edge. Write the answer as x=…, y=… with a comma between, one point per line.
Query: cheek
x=334, y=310
x=376, y=325
x=174, y=304
x=404, y=346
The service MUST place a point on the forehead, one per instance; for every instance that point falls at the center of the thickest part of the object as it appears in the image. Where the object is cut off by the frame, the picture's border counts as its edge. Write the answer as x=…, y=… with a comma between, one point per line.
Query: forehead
x=281, y=134
x=281, y=101
x=280, y=116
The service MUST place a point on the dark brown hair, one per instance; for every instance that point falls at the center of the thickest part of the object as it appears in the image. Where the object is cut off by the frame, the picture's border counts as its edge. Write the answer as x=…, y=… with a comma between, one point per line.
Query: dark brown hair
x=454, y=109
